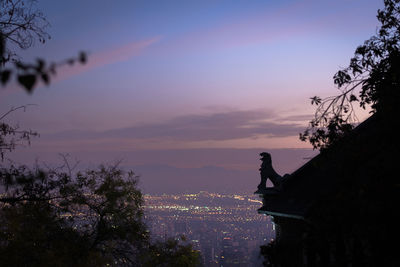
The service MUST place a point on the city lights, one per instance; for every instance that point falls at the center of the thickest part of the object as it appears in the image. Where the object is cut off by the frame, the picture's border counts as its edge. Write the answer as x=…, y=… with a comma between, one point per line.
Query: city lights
x=224, y=227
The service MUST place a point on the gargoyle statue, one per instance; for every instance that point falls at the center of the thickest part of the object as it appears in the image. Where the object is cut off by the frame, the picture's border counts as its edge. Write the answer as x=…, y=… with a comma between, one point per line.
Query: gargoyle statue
x=267, y=171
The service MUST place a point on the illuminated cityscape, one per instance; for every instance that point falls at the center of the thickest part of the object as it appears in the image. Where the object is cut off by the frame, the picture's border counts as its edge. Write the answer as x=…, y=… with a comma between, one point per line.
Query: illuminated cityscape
x=226, y=228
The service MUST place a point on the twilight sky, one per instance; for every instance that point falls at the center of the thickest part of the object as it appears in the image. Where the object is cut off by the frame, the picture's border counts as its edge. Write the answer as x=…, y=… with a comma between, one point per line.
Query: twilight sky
x=187, y=84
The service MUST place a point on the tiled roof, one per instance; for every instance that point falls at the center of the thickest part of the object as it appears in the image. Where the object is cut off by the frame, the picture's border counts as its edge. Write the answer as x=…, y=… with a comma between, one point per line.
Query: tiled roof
x=324, y=174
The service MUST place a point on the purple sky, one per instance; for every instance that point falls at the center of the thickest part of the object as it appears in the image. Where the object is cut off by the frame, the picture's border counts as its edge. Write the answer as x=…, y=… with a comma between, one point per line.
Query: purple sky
x=173, y=77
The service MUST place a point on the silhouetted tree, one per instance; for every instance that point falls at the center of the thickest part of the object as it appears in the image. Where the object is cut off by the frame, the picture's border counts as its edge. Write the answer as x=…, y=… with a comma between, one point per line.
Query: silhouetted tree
x=44, y=210
x=371, y=79
x=172, y=252
x=53, y=217
x=21, y=24
x=11, y=135
x=94, y=218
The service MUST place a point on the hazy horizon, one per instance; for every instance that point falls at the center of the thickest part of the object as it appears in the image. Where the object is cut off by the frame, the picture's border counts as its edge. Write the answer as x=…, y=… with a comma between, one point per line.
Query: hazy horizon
x=187, y=85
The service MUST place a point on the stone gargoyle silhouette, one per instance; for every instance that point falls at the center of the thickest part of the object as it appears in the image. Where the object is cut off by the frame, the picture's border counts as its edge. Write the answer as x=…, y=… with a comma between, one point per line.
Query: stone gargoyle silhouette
x=267, y=171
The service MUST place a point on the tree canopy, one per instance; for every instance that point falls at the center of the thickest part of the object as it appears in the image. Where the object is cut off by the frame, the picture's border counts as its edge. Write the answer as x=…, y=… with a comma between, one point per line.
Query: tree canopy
x=93, y=218
x=371, y=79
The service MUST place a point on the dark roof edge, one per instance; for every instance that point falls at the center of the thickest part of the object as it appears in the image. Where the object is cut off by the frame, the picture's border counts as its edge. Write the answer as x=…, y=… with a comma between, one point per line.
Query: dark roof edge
x=355, y=130
x=279, y=214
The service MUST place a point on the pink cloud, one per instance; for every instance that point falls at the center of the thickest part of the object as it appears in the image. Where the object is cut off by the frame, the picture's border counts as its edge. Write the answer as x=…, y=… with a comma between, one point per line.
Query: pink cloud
x=95, y=60
x=106, y=57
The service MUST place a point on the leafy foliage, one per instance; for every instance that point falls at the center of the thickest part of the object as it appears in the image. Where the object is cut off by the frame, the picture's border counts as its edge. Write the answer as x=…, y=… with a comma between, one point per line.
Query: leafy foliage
x=29, y=74
x=93, y=218
x=21, y=24
x=371, y=79
x=172, y=253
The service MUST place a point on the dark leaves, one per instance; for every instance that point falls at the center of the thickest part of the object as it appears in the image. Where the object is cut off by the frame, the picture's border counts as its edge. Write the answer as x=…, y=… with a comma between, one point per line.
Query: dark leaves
x=28, y=75
x=331, y=132
x=353, y=98
x=40, y=65
x=5, y=76
x=45, y=78
x=341, y=78
x=371, y=79
x=82, y=57
x=27, y=81
x=315, y=100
